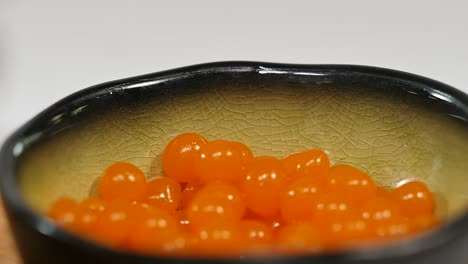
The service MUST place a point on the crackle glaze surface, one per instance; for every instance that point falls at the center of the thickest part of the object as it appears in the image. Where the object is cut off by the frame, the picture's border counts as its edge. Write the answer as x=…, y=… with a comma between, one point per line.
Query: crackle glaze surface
x=390, y=132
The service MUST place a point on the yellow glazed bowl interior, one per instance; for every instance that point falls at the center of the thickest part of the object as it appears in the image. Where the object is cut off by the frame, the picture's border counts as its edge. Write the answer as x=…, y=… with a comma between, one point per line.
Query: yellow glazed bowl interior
x=392, y=129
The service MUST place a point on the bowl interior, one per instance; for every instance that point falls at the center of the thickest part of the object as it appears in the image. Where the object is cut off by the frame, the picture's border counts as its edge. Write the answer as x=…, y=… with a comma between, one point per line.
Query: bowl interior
x=392, y=128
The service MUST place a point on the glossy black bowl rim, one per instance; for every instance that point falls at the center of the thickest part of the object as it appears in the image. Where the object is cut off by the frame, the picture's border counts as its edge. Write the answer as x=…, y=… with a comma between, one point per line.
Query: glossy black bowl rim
x=12, y=149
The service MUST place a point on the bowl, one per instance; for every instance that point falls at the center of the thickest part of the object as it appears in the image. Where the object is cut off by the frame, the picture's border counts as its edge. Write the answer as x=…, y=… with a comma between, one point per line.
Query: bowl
x=392, y=124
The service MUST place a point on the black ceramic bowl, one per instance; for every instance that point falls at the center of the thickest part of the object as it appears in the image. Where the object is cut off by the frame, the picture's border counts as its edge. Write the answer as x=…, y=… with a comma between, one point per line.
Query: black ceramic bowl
x=392, y=124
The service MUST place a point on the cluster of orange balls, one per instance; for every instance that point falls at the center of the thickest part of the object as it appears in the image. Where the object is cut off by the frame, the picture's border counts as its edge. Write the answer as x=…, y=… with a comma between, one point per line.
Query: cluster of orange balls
x=217, y=199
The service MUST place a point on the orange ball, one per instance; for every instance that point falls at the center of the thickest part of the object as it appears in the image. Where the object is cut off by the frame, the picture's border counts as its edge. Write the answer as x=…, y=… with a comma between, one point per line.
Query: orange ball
x=395, y=227
x=122, y=181
x=350, y=231
x=382, y=192
x=333, y=206
x=313, y=163
x=415, y=199
x=181, y=216
x=114, y=224
x=255, y=231
x=246, y=153
x=424, y=223
x=221, y=160
x=164, y=192
x=188, y=192
x=275, y=222
x=85, y=223
x=63, y=211
x=156, y=231
x=87, y=214
x=351, y=182
x=222, y=240
x=93, y=203
x=300, y=238
x=264, y=177
x=179, y=156
x=214, y=204
x=257, y=237
x=299, y=198
x=380, y=209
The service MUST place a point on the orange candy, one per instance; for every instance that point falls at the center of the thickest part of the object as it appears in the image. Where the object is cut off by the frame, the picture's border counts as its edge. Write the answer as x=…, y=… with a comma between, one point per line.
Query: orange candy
x=257, y=237
x=246, y=153
x=333, y=206
x=114, y=224
x=380, y=209
x=164, y=192
x=218, y=240
x=214, y=204
x=299, y=198
x=274, y=222
x=217, y=200
x=352, y=231
x=424, y=223
x=382, y=192
x=313, y=163
x=221, y=160
x=415, y=199
x=93, y=204
x=156, y=231
x=256, y=231
x=63, y=211
x=87, y=214
x=300, y=238
x=384, y=216
x=179, y=156
x=122, y=181
x=394, y=228
x=188, y=192
x=261, y=185
x=351, y=182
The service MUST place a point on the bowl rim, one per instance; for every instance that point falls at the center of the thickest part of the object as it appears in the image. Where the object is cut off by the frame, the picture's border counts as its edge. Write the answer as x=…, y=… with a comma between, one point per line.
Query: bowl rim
x=15, y=144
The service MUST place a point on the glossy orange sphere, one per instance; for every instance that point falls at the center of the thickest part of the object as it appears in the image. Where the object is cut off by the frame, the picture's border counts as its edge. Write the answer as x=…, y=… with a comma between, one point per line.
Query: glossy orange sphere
x=415, y=199
x=214, y=204
x=300, y=238
x=218, y=240
x=87, y=214
x=299, y=198
x=114, y=224
x=164, y=192
x=333, y=206
x=263, y=180
x=63, y=211
x=245, y=151
x=179, y=157
x=255, y=231
x=123, y=181
x=188, y=192
x=221, y=160
x=380, y=209
x=156, y=231
x=352, y=182
x=312, y=163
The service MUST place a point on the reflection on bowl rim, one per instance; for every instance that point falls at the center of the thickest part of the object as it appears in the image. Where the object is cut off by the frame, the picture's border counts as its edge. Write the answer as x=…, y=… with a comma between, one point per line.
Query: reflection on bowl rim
x=17, y=142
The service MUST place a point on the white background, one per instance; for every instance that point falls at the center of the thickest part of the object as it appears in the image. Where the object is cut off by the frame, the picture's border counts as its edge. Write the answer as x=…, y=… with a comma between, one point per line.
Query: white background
x=49, y=49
